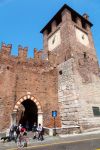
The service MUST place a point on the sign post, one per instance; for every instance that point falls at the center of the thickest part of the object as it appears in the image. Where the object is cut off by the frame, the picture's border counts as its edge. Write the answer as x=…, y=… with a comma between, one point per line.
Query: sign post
x=54, y=115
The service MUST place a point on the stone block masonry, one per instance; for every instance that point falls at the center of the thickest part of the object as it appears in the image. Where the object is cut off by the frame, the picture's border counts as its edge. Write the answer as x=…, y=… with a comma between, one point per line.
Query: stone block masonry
x=67, y=94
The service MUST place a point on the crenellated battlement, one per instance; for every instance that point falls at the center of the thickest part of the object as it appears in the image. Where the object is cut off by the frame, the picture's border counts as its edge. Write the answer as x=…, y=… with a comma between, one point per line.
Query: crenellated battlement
x=22, y=52
x=5, y=51
x=40, y=58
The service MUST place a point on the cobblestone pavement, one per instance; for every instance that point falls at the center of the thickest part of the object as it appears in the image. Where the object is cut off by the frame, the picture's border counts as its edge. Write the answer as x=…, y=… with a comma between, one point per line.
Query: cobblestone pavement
x=54, y=140
x=12, y=144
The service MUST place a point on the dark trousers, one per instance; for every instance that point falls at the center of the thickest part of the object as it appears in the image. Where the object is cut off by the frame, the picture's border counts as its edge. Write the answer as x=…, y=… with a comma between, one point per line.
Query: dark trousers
x=40, y=136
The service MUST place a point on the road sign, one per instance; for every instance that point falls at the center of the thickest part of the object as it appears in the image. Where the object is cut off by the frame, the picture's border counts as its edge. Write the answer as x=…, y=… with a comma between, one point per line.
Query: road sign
x=54, y=113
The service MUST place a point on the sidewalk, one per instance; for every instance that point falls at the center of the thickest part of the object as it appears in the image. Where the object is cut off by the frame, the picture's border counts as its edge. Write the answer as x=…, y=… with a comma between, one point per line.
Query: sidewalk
x=53, y=140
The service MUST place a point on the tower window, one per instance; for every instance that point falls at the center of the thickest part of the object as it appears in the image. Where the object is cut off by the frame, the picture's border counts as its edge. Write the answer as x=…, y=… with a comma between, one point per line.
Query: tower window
x=84, y=24
x=58, y=20
x=74, y=17
x=49, y=29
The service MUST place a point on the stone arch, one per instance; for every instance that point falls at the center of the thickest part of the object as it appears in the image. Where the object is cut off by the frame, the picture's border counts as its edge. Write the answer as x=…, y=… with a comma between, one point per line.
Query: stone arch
x=19, y=102
x=25, y=98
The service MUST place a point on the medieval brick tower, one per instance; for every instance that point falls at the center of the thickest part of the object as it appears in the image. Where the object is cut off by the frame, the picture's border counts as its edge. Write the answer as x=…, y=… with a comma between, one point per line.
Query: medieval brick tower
x=63, y=77
x=69, y=42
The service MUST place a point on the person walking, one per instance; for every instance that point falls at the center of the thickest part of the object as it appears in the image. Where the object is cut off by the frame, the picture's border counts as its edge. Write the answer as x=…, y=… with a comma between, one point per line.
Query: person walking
x=20, y=127
x=34, y=129
x=11, y=133
x=22, y=138
x=40, y=132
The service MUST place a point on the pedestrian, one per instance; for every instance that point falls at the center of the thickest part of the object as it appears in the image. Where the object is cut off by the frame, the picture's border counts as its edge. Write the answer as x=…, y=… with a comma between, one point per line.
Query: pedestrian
x=11, y=133
x=34, y=129
x=20, y=126
x=40, y=132
x=22, y=138
x=23, y=130
x=17, y=132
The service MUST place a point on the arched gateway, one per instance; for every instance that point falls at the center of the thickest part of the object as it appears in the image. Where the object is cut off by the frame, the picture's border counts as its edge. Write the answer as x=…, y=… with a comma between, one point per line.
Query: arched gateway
x=27, y=111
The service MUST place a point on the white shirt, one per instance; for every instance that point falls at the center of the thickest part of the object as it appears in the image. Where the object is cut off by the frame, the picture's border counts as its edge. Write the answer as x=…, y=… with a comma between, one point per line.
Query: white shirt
x=39, y=128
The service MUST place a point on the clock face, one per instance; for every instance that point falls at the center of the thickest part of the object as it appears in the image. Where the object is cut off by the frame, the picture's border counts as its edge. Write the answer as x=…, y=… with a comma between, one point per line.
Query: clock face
x=54, y=40
x=82, y=37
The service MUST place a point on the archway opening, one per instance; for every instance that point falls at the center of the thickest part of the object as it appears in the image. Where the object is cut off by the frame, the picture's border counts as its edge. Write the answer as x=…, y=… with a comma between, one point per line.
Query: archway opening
x=30, y=115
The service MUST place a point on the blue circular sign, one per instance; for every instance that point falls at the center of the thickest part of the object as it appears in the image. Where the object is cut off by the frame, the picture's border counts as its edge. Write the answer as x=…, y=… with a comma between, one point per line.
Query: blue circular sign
x=54, y=113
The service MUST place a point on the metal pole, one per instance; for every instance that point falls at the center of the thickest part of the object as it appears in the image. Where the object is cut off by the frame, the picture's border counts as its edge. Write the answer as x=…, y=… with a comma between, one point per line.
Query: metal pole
x=54, y=127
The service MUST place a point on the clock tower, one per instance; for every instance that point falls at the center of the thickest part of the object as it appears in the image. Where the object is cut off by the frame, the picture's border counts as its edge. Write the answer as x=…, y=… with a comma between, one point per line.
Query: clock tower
x=69, y=44
x=68, y=34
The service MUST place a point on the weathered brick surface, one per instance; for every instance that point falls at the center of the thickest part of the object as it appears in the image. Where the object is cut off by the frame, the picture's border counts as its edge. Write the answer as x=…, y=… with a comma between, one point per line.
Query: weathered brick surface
x=66, y=79
x=18, y=77
x=79, y=83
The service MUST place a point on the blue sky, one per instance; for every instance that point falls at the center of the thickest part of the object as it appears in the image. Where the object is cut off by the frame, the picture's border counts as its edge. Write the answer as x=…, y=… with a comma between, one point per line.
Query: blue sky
x=22, y=20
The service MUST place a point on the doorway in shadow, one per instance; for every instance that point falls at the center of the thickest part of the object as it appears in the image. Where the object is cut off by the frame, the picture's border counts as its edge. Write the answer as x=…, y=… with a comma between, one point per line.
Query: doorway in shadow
x=30, y=115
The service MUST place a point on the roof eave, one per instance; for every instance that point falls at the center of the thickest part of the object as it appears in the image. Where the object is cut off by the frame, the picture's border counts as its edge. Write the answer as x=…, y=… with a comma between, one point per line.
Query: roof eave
x=65, y=6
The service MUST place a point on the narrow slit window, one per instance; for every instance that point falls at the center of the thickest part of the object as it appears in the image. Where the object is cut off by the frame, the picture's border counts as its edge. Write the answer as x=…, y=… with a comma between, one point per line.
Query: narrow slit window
x=84, y=54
